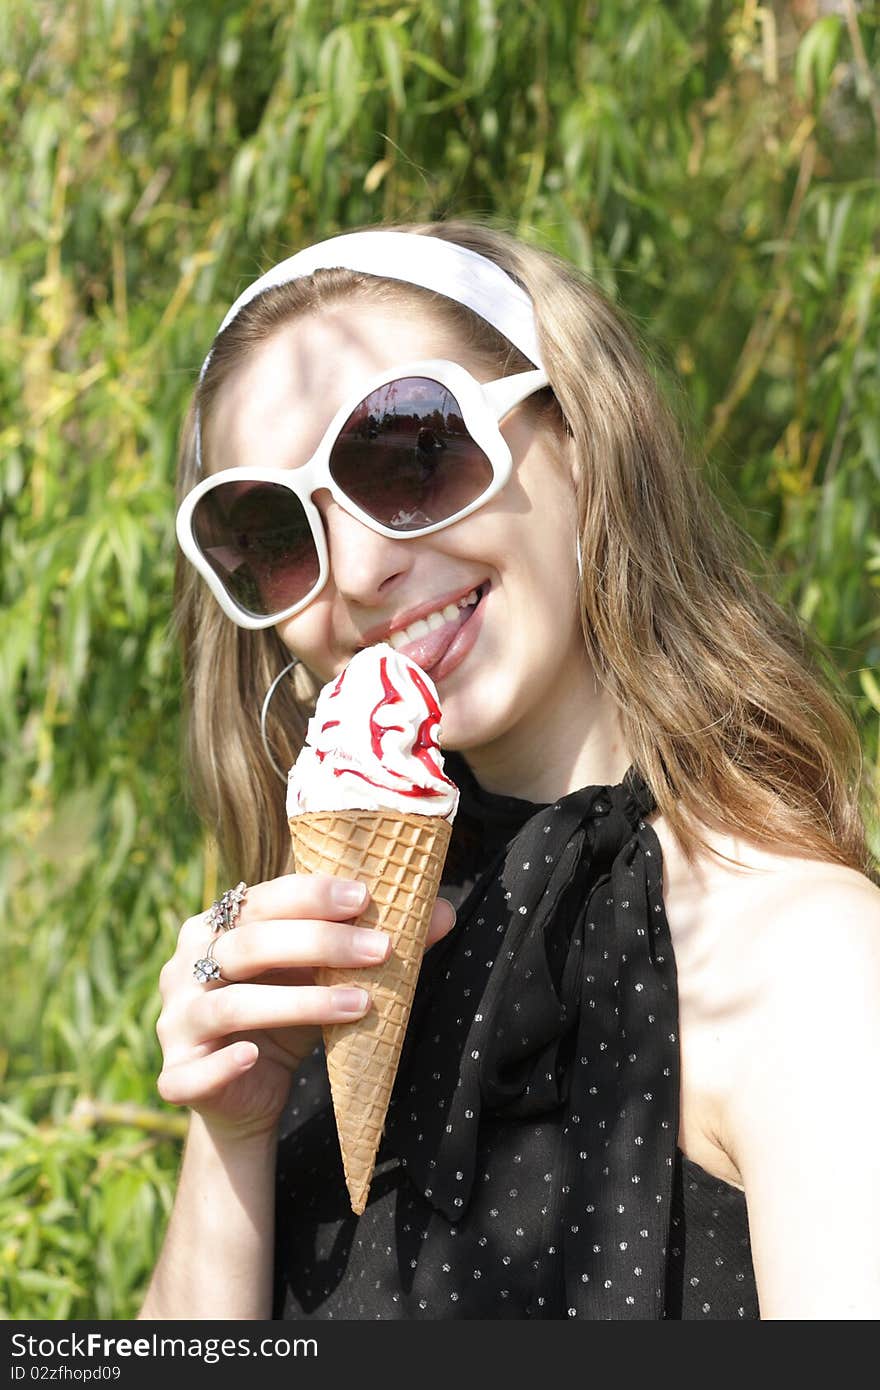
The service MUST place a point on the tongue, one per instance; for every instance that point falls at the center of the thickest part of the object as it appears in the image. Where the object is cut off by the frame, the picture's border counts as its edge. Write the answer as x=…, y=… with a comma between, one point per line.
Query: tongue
x=426, y=651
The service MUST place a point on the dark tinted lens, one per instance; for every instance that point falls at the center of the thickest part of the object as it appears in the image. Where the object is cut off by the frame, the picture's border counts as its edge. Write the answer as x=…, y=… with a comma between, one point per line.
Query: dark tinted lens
x=257, y=538
x=405, y=457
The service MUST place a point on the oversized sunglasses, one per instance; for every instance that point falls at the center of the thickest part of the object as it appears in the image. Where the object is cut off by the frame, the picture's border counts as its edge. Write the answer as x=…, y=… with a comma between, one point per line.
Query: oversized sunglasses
x=418, y=448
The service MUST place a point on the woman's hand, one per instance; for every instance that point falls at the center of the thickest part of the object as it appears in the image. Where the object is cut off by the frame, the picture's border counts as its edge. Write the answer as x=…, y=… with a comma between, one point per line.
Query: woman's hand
x=230, y=1047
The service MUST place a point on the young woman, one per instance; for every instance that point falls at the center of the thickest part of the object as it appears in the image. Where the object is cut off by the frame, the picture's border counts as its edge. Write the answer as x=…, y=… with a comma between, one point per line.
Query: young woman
x=638, y=1074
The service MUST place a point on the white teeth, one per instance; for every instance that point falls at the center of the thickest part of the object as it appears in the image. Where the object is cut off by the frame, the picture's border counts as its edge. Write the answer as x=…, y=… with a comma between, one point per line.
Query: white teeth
x=422, y=626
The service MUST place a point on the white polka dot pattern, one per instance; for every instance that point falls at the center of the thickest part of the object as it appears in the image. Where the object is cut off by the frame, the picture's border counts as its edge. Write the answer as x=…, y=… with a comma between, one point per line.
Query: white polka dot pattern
x=529, y=1167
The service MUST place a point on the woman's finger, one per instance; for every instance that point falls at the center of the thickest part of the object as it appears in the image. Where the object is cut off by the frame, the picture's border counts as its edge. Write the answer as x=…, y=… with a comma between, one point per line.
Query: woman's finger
x=253, y=949
x=195, y=1081
x=442, y=921
x=295, y=896
x=250, y=951
x=291, y=897
x=191, y=1026
x=245, y=1008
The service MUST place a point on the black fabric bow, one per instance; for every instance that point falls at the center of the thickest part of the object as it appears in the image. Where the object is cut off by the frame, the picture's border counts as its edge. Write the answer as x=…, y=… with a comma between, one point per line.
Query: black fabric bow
x=563, y=950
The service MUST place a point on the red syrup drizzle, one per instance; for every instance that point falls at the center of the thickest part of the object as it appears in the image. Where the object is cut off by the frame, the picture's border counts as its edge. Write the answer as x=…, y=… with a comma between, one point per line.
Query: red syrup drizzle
x=391, y=696
x=424, y=740
x=321, y=754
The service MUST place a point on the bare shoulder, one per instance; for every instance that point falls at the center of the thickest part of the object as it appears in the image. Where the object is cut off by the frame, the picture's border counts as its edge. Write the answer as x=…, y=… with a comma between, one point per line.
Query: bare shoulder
x=778, y=960
x=753, y=899
x=799, y=1055
x=765, y=943
x=812, y=952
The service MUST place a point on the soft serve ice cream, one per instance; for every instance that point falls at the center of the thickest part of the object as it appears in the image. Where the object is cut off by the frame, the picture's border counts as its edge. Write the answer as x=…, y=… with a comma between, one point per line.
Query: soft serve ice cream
x=372, y=742
x=368, y=799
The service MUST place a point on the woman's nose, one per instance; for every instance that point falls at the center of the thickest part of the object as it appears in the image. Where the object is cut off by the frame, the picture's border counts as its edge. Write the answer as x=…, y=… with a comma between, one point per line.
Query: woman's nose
x=365, y=567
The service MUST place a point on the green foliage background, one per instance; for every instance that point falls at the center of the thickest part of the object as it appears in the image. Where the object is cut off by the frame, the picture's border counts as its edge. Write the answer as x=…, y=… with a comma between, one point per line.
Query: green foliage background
x=715, y=165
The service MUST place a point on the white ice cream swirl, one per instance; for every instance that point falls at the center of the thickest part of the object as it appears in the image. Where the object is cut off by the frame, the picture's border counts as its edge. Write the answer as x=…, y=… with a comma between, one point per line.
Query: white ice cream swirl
x=373, y=742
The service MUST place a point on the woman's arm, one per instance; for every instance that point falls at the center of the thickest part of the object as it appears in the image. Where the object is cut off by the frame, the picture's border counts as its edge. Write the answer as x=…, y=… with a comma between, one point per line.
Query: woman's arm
x=803, y=1118
x=217, y=1258
x=230, y=1049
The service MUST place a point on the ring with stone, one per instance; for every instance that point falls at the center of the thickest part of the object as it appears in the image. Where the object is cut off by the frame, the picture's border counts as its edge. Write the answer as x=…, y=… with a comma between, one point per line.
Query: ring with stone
x=223, y=914
x=206, y=968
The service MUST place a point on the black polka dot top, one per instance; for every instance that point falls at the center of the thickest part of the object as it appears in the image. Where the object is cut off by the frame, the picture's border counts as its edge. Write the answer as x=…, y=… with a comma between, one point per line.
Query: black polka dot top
x=529, y=1166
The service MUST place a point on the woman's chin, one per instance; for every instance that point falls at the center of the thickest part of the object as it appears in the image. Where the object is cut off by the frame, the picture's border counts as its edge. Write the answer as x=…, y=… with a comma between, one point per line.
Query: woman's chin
x=462, y=736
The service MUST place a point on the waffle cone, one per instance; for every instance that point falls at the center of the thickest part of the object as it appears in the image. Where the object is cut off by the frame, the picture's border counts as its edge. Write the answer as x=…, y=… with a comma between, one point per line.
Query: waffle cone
x=400, y=857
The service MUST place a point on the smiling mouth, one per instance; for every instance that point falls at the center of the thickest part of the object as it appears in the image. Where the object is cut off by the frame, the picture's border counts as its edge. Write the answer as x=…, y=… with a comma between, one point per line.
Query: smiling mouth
x=436, y=621
x=427, y=640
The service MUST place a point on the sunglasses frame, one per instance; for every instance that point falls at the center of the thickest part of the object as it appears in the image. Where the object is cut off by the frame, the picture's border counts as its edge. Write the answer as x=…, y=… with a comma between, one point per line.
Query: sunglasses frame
x=482, y=405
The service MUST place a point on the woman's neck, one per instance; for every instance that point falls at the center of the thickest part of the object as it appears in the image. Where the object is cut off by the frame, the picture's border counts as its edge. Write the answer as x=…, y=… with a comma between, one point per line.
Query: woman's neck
x=582, y=745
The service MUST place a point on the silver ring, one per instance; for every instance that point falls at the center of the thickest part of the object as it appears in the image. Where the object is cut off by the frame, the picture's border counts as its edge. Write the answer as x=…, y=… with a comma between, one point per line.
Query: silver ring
x=207, y=969
x=223, y=914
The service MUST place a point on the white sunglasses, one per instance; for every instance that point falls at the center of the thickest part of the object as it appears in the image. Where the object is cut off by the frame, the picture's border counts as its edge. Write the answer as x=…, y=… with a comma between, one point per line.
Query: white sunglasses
x=418, y=448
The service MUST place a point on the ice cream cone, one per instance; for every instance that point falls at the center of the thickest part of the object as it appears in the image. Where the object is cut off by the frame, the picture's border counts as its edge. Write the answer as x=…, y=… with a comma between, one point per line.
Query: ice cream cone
x=400, y=857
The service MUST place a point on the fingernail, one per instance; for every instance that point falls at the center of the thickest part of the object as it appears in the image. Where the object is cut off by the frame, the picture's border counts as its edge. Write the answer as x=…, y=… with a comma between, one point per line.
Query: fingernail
x=452, y=912
x=371, y=945
x=346, y=895
x=349, y=1001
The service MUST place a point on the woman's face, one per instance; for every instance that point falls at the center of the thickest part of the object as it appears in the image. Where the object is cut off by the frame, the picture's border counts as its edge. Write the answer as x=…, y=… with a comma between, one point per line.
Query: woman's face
x=514, y=658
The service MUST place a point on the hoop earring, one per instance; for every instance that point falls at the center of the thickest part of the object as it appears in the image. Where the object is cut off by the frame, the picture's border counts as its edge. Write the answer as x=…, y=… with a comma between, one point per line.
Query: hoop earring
x=265, y=710
x=577, y=551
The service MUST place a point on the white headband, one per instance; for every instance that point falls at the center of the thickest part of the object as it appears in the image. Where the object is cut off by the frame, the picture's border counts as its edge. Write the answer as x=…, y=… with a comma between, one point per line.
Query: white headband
x=426, y=261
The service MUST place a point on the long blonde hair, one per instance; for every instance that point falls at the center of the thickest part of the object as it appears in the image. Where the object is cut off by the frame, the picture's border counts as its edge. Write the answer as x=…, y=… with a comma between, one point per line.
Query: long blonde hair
x=730, y=710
